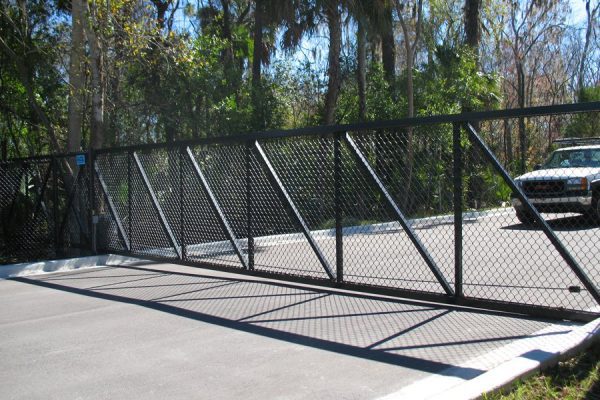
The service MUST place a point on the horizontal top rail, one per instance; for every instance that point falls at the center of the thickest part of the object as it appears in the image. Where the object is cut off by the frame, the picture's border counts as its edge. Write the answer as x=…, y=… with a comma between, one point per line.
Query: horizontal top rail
x=324, y=130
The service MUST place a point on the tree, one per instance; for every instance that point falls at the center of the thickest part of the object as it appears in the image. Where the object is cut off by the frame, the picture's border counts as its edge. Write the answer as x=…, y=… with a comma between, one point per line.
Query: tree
x=410, y=49
x=76, y=77
x=27, y=51
x=334, y=24
x=415, y=11
x=94, y=21
x=589, y=31
x=472, y=24
x=530, y=23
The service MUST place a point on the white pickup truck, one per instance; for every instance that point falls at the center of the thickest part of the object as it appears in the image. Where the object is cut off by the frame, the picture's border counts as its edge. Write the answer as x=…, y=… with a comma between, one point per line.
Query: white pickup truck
x=568, y=182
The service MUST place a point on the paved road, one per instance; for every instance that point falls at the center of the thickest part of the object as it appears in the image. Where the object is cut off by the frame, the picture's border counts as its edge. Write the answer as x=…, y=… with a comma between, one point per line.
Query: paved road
x=503, y=260
x=139, y=333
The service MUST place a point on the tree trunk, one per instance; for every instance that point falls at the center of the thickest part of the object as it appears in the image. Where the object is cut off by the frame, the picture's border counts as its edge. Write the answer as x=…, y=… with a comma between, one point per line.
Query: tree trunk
x=410, y=49
x=333, y=69
x=472, y=39
x=508, y=143
x=472, y=26
x=257, y=103
x=76, y=78
x=388, y=49
x=361, y=56
x=521, y=101
x=161, y=11
x=228, y=52
x=96, y=66
x=584, y=54
x=258, y=43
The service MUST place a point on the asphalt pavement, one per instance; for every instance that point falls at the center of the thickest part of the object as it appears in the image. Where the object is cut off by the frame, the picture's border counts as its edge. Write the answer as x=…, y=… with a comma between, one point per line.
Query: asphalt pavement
x=169, y=331
x=148, y=330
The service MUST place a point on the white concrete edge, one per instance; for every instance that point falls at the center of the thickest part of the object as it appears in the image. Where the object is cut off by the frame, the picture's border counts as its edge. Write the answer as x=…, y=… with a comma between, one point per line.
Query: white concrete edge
x=63, y=265
x=535, y=354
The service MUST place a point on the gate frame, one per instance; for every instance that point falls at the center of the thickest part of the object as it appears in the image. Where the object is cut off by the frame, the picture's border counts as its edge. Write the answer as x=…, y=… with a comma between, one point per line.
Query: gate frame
x=339, y=133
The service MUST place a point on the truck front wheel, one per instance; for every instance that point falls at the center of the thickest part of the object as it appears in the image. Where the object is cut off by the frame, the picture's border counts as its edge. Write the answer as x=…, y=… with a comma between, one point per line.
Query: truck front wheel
x=594, y=213
x=525, y=218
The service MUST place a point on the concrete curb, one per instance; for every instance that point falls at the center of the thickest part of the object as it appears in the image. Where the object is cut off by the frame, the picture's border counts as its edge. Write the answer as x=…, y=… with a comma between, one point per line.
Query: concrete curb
x=70, y=264
x=540, y=352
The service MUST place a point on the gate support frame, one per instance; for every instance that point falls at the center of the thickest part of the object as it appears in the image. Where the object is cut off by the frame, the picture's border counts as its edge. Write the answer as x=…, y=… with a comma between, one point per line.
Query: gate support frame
x=458, y=207
x=214, y=204
x=157, y=207
x=362, y=161
x=287, y=200
x=337, y=179
x=566, y=255
x=249, y=199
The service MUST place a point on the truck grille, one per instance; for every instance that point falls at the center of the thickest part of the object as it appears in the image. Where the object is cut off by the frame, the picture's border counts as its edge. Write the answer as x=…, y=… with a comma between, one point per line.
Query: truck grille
x=544, y=187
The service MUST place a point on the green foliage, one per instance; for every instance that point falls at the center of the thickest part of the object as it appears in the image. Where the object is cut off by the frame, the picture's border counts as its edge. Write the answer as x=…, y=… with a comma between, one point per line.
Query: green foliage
x=575, y=379
x=585, y=124
x=453, y=82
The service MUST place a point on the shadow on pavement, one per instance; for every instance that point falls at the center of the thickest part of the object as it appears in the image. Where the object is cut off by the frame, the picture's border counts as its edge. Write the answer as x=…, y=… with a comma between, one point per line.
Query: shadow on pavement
x=564, y=224
x=404, y=333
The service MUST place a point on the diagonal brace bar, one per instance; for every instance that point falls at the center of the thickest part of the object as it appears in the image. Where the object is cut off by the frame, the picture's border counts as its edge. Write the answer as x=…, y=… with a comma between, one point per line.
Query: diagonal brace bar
x=362, y=161
x=287, y=200
x=161, y=214
x=214, y=204
x=558, y=245
x=111, y=207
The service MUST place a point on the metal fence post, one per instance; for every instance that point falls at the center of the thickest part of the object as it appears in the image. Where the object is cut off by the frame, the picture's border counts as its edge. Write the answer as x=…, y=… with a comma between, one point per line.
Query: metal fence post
x=182, y=205
x=57, y=241
x=458, y=205
x=337, y=177
x=249, y=233
x=93, y=217
x=129, y=201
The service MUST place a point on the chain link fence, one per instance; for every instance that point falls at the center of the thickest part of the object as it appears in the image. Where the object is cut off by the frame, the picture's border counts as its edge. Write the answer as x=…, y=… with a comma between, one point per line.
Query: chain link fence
x=424, y=208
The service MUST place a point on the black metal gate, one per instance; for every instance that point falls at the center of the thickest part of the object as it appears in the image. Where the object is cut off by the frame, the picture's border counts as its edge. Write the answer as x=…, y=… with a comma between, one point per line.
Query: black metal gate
x=413, y=207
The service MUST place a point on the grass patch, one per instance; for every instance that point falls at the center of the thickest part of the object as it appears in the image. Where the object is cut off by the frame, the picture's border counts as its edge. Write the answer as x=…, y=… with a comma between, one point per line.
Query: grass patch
x=575, y=379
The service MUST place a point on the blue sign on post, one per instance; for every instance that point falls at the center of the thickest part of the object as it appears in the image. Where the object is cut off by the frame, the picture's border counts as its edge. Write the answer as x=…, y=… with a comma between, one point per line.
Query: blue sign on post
x=80, y=159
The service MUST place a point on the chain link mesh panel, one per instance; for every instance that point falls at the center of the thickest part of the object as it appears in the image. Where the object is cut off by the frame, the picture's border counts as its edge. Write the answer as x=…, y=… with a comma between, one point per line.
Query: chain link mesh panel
x=510, y=258
x=112, y=187
x=280, y=245
x=206, y=241
x=377, y=249
x=305, y=168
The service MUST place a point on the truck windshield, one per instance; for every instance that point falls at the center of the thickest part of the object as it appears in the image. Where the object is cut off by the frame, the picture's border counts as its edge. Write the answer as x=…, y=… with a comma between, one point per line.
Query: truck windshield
x=574, y=158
